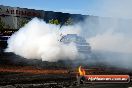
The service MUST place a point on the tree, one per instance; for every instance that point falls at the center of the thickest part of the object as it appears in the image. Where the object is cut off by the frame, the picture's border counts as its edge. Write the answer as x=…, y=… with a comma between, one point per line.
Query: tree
x=54, y=21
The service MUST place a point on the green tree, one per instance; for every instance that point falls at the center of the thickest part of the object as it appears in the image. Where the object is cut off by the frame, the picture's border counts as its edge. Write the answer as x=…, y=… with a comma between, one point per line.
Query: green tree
x=56, y=22
x=52, y=21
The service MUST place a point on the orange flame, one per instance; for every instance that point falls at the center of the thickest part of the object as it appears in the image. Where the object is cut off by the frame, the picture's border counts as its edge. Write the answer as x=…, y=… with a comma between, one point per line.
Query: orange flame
x=81, y=71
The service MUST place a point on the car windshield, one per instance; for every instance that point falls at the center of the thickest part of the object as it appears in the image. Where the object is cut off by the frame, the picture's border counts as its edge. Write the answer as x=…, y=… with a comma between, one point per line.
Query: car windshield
x=72, y=38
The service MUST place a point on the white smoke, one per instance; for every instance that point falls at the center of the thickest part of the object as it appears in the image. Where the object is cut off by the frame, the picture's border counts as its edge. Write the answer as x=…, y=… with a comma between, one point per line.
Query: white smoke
x=113, y=49
x=112, y=42
x=110, y=36
x=38, y=40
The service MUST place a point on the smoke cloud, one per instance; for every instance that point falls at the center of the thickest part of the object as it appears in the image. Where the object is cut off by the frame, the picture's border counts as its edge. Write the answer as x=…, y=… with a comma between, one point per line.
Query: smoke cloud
x=113, y=48
x=110, y=36
x=113, y=42
x=38, y=40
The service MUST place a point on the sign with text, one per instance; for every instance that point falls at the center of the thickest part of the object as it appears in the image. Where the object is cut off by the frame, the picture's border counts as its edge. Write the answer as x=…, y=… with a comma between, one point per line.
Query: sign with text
x=107, y=78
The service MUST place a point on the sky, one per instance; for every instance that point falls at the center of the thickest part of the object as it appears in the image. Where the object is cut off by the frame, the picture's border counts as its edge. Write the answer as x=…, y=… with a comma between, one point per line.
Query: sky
x=103, y=8
x=87, y=7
